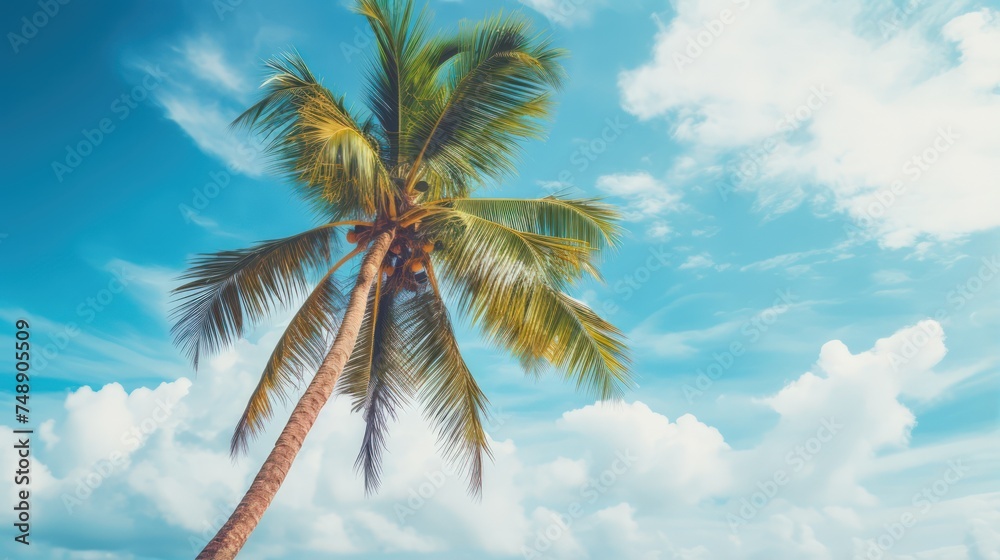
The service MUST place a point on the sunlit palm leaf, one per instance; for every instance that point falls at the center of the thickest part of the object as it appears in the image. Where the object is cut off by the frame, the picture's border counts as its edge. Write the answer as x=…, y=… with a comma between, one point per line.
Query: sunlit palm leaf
x=470, y=236
x=229, y=292
x=588, y=220
x=300, y=349
x=511, y=286
x=495, y=92
x=312, y=138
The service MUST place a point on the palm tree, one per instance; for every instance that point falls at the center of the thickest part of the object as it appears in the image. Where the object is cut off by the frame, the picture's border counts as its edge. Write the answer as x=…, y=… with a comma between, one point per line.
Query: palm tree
x=444, y=116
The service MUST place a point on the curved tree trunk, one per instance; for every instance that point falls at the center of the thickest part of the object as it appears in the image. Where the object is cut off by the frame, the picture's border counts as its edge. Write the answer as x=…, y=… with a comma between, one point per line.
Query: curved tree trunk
x=233, y=535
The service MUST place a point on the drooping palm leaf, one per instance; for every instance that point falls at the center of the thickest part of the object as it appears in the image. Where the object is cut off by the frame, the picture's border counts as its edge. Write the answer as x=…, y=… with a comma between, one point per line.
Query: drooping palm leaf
x=230, y=291
x=511, y=286
x=469, y=236
x=452, y=399
x=300, y=349
x=377, y=379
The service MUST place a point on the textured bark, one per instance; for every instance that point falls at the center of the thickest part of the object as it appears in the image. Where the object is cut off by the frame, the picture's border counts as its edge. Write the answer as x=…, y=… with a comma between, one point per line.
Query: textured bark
x=234, y=534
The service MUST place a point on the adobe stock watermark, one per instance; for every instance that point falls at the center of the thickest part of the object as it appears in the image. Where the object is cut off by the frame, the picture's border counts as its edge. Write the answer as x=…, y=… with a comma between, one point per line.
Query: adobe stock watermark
x=422, y=494
x=751, y=331
x=586, y=153
x=913, y=169
x=957, y=299
x=590, y=492
x=87, y=310
x=360, y=41
x=630, y=284
x=212, y=527
x=892, y=23
x=564, y=10
x=224, y=7
x=795, y=461
x=966, y=291
x=707, y=34
x=921, y=504
x=121, y=107
x=218, y=181
x=130, y=440
x=750, y=163
x=32, y=24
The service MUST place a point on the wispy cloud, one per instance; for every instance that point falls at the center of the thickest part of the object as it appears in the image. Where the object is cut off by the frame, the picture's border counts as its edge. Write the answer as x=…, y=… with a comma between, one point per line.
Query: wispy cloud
x=567, y=13
x=207, y=61
x=702, y=260
x=205, y=93
x=894, y=120
x=647, y=199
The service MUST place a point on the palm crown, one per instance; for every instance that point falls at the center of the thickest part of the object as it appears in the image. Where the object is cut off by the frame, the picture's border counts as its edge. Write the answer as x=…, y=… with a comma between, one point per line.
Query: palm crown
x=444, y=115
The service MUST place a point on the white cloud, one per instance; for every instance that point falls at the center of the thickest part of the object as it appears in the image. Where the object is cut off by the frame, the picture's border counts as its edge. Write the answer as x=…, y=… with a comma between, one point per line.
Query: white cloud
x=207, y=123
x=627, y=481
x=702, y=260
x=825, y=107
x=203, y=95
x=890, y=277
x=648, y=199
x=208, y=62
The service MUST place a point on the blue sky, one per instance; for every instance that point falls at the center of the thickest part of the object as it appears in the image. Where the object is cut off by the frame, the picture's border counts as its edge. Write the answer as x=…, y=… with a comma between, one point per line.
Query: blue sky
x=811, y=200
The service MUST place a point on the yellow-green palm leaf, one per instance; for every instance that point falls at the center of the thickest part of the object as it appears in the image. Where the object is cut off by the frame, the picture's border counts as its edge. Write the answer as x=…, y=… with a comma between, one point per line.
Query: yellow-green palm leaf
x=443, y=116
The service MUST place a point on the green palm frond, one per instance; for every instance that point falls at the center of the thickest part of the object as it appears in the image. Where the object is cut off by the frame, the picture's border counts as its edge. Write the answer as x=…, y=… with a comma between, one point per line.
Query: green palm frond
x=511, y=284
x=495, y=92
x=404, y=70
x=540, y=324
x=312, y=138
x=469, y=236
x=230, y=291
x=452, y=398
x=376, y=378
x=449, y=111
x=301, y=348
x=588, y=220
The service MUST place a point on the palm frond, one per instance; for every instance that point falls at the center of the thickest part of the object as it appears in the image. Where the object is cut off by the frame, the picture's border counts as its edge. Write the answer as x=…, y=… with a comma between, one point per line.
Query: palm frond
x=588, y=220
x=470, y=236
x=377, y=379
x=452, y=398
x=404, y=70
x=540, y=324
x=312, y=138
x=230, y=291
x=496, y=92
x=510, y=283
x=301, y=348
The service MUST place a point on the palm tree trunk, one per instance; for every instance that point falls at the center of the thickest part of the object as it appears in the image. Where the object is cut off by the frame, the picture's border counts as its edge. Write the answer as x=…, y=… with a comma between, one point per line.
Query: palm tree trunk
x=233, y=535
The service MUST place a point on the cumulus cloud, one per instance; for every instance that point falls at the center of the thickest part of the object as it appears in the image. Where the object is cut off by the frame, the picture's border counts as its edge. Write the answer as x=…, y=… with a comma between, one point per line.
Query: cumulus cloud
x=614, y=478
x=890, y=122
